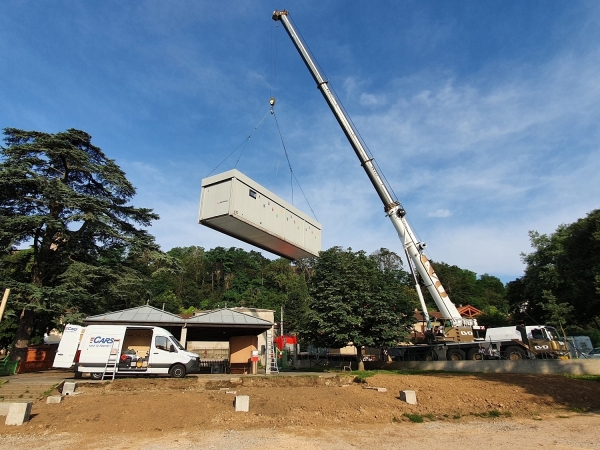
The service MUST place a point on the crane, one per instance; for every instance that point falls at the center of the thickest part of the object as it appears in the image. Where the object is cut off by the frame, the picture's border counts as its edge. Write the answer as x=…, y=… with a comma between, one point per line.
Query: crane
x=417, y=261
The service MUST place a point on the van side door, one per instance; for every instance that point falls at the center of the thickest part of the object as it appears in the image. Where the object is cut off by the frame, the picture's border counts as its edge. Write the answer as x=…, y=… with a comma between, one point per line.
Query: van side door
x=68, y=346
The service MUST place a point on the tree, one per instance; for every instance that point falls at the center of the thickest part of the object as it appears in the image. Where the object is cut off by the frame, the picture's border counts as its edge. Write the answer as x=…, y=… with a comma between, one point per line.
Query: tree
x=465, y=288
x=353, y=300
x=61, y=197
x=562, y=276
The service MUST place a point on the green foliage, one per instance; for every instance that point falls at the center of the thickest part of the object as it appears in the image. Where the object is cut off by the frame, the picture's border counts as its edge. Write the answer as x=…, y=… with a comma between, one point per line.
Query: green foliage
x=492, y=317
x=415, y=418
x=360, y=376
x=353, y=300
x=68, y=203
x=464, y=288
x=562, y=276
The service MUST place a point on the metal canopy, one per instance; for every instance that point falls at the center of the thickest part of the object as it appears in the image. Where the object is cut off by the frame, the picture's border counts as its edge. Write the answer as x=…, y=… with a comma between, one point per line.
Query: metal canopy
x=228, y=317
x=217, y=325
x=142, y=314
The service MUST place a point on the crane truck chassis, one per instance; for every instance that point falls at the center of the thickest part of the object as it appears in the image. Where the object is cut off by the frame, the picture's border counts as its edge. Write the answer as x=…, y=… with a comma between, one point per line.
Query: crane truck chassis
x=463, y=338
x=511, y=343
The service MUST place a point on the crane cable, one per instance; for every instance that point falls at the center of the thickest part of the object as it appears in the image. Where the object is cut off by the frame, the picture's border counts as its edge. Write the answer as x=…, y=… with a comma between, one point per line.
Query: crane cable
x=292, y=174
x=243, y=142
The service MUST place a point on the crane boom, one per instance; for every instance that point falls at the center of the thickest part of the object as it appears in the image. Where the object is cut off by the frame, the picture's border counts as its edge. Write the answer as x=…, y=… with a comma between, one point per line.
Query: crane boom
x=413, y=249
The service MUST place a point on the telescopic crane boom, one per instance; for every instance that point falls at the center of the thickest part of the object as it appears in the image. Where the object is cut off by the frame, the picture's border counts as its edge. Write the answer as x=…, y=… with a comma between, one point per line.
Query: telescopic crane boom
x=393, y=209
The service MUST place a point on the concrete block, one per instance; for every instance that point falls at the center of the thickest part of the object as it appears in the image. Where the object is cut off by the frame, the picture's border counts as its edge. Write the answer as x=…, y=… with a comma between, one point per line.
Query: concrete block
x=18, y=413
x=69, y=388
x=4, y=408
x=54, y=399
x=242, y=403
x=409, y=397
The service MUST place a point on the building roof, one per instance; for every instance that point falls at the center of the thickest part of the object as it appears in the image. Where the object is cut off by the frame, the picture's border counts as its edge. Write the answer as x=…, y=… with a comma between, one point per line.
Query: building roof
x=227, y=316
x=224, y=317
x=469, y=311
x=139, y=314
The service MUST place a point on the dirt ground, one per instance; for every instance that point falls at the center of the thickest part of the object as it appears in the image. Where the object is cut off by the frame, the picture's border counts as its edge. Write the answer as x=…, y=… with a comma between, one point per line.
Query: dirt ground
x=319, y=412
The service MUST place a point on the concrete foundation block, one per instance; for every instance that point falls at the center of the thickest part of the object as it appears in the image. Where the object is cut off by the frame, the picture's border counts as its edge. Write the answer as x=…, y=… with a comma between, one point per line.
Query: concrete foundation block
x=54, y=399
x=409, y=397
x=69, y=388
x=18, y=413
x=242, y=403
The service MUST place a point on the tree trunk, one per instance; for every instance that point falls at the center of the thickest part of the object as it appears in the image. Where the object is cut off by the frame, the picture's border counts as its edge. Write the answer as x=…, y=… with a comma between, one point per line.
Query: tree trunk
x=21, y=341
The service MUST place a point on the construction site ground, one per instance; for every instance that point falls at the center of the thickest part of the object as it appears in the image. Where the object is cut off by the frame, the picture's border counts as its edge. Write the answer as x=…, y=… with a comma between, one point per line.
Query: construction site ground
x=316, y=411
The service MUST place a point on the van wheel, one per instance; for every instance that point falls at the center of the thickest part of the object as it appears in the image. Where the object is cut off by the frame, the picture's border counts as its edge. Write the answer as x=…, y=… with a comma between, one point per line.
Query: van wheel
x=96, y=375
x=474, y=355
x=455, y=355
x=515, y=353
x=177, y=371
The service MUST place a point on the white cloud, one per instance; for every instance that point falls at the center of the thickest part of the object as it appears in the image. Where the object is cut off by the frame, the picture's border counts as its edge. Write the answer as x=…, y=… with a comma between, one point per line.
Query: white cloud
x=441, y=213
x=371, y=100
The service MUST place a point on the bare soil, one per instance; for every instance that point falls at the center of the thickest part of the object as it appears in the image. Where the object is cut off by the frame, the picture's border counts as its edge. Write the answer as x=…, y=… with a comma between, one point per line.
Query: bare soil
x=318, y=412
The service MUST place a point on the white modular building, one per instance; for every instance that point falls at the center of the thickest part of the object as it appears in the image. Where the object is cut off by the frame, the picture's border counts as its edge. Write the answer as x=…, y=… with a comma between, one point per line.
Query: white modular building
x=237, y=206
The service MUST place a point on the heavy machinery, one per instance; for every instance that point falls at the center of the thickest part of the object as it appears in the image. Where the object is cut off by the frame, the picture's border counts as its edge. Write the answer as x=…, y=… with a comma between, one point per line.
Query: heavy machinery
x=417, y=261
x=461, y=337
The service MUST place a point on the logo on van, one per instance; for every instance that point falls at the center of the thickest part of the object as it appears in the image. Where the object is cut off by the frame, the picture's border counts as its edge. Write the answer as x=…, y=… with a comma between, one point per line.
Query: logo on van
x=70, y=329
x=101, y=340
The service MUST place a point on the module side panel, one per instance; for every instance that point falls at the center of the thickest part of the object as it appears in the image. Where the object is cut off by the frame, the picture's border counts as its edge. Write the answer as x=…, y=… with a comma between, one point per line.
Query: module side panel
x=215, y=200
x=258, y=209
x=294, y=229
x=312, y=238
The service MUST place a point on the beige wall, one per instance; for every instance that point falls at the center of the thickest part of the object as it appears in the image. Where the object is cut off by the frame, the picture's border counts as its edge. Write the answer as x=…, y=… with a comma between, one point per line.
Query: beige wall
x=545, y=366
x=240, y=348
x=266, y=314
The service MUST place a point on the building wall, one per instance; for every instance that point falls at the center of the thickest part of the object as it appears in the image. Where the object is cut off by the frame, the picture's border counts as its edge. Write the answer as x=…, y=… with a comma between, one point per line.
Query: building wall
x=266, y=314
x=241, y=347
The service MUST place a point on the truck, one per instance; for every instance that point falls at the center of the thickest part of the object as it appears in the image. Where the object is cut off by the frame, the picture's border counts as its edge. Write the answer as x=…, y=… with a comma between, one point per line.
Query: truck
x=461, y=336
x=511, y=343
x=125, y=350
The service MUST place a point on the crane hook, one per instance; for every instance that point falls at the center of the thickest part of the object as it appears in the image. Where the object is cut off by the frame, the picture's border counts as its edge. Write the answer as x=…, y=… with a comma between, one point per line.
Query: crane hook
x=272, y=103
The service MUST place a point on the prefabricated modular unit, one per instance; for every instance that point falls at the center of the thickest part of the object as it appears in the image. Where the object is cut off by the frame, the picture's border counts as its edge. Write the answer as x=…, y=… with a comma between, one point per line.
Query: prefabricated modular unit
x=237, y=206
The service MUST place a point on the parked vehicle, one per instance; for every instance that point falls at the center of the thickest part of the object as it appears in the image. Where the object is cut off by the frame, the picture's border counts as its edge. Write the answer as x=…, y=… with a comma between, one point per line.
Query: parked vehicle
x=123, y=350
x=579, y=346
x=512, y=343
x=594, y=353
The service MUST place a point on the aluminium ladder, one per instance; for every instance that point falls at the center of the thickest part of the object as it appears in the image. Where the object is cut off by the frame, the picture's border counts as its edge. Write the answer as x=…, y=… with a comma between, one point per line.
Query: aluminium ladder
x=271, y=350
x=113, y=360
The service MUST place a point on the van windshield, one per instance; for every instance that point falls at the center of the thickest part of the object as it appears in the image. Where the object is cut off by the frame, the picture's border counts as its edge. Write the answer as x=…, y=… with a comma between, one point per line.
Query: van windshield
x=176, y=343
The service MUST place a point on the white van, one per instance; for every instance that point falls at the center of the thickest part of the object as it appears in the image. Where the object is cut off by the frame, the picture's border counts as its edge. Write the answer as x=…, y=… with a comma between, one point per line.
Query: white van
x=125, y=350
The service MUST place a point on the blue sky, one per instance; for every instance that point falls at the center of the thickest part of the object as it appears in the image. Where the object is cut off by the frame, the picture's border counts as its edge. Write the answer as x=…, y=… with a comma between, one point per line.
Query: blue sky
x=482, y=115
